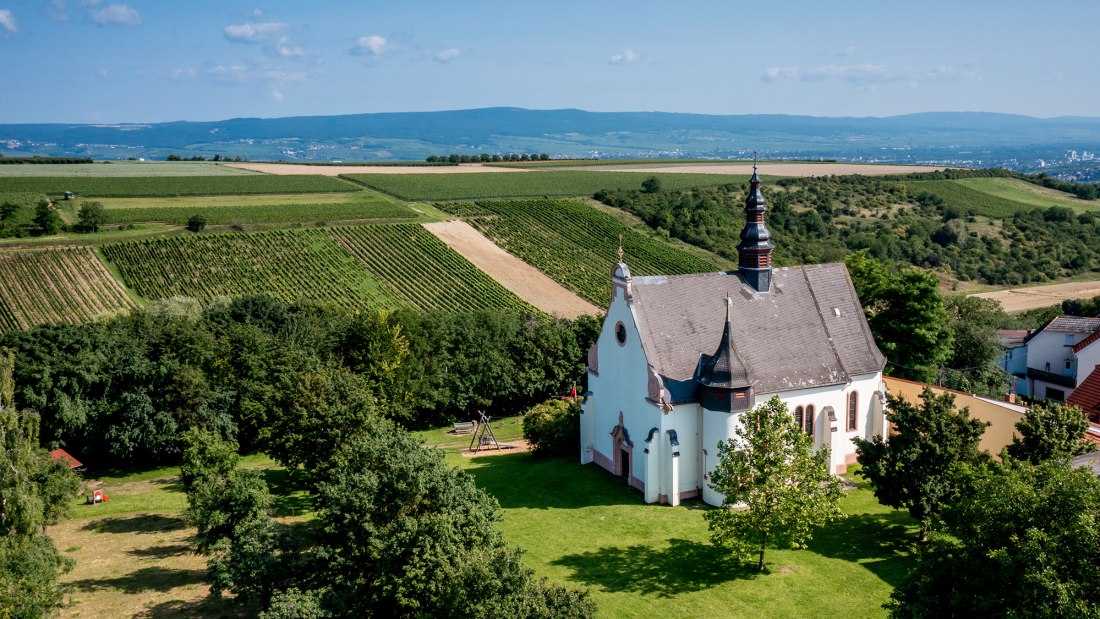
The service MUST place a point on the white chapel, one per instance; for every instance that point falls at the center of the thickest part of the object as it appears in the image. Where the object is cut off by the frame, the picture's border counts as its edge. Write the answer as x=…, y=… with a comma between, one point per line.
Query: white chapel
x=680, y=357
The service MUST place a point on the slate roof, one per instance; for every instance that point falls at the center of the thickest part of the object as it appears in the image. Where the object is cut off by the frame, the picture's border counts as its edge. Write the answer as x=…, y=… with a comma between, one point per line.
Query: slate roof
x=809, y=331
x=1073, y=324
x=1011, y=338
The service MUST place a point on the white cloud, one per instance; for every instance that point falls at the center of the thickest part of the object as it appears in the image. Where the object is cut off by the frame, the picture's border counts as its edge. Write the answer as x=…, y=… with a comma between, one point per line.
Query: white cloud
x=277, y=95
x=114, y=15
x=845, y=52
x=627, y=57
x=57, y=10
x=7, y=21
x=447, y=55
x=373, y=45
x=866, y=74
x=255, y=32
x=179, y=75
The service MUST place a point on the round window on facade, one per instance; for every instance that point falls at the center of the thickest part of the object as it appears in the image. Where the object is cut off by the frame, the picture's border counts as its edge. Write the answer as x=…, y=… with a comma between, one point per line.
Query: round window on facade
x=620, y=333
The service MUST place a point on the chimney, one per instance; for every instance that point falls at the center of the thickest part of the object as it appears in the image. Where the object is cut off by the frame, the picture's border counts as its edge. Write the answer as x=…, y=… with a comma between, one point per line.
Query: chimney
x=754, y=252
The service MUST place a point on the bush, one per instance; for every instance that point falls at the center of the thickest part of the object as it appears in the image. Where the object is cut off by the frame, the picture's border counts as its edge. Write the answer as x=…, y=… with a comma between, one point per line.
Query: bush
x=196, y=223
x=553, y=428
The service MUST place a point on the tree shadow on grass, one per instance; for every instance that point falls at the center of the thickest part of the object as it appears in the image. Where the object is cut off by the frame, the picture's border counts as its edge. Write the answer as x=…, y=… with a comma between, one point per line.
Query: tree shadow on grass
x=883, y=543
x=144, y=579
x=162, y=552
x=288, y=494
x=683, y=567
x=521, y=480
x=210, y=606
x=145, y=523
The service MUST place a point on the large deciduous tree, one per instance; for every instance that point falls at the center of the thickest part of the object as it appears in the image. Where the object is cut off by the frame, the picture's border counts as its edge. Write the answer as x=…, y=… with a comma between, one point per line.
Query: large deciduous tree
x=1023, y=543
x=776, y=488
x=1050, y=431
x=920, y=468
x=906, y=314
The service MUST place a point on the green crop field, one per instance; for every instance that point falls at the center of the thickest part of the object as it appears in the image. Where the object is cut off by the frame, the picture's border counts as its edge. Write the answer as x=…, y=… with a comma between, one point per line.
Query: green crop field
x=979, y=202
x=155, y=186
x=273, y=213
x=385, y=265
x=56, y=285
x=576, y=244
x=1028, y=193
x=591, y=163
x=527, y=184
x=126, y=168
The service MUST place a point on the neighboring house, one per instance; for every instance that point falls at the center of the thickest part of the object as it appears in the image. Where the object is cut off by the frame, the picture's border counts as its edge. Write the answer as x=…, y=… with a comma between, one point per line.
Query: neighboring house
x=680, y=357
x=1014, y=359
x=1061, y=355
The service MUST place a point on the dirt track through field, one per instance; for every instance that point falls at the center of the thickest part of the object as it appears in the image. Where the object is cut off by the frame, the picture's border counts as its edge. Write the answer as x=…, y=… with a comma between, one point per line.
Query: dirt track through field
x=527, y=282
x=336, y=170
x=1022, y=299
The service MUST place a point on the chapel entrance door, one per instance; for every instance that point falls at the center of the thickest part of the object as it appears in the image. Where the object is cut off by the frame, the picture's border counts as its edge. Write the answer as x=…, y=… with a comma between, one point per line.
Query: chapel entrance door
x=624, y=465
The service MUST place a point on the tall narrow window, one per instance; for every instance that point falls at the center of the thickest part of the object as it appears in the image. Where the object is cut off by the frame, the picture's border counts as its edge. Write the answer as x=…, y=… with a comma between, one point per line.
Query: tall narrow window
x=810, y=420
x=853, y=407
x=798, y=417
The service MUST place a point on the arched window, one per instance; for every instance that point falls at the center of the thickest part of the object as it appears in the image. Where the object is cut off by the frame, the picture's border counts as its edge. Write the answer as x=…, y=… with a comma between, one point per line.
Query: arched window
x=798, y=417
x=853, y=407
x=810, y=420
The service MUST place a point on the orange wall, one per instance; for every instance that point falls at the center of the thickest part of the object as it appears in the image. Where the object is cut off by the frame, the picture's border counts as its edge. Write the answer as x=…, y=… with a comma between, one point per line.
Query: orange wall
x=1001, y=416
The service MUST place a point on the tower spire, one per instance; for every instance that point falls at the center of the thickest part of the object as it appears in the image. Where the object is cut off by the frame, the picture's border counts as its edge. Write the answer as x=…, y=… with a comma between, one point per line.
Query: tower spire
x=754, y=252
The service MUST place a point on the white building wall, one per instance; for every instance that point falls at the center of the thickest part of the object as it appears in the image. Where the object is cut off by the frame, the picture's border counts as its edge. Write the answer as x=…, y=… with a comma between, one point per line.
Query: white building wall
x=1087, y=359
x=619, y=386
x=1053, y=348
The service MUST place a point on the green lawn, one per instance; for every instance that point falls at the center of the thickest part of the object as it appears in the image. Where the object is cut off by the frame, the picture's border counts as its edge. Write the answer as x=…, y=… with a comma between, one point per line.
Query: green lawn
x=580, y=526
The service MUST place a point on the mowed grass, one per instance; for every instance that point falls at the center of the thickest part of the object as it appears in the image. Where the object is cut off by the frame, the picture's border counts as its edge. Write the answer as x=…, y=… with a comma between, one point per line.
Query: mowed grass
x=550, y=183
x=167, y=186
x=1028, y=193
x=125, y=168
x=580, y=526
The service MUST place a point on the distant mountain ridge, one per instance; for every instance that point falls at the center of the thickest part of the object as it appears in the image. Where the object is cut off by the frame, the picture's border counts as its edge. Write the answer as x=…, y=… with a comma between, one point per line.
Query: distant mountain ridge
x=565, y=132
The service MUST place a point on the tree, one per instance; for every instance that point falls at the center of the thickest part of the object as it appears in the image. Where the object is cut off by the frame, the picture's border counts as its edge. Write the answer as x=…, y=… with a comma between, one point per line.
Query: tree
x=921, y=467
x=196, y=223
x=651, y=184
x=47, y=219
x=771, y=469
x=34, y=491
x=90, y=217
x=8, y=209
x=906, y=314
x=972, y=361
x=1024, y=544
x=553, y=428
x=1050, y=431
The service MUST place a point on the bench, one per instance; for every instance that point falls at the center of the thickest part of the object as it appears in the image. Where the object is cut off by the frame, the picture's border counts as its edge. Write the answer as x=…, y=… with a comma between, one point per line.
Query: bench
x=464, y=427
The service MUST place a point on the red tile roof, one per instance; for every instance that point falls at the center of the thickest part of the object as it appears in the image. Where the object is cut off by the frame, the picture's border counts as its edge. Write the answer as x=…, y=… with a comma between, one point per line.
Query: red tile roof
x=1085, y=342
x=1087, y=396
x=62, y=455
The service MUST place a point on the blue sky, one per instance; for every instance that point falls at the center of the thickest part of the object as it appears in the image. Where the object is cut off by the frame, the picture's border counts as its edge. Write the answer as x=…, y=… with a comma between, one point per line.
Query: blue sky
x=158, y=60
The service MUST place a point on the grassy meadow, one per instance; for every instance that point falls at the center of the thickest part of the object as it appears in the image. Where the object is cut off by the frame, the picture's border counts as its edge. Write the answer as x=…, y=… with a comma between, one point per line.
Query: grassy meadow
x=169, y=186
x=577, y=524
x=1024, y=192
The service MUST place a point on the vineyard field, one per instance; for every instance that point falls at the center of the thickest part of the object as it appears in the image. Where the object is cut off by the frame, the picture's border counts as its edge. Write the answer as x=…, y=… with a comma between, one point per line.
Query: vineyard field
x=557, y=183
x=576, y=244
x=422, y=270
x=978, y=202
x=56, y=285
x=268, y=213
x=163, y=186
x=381, y=265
